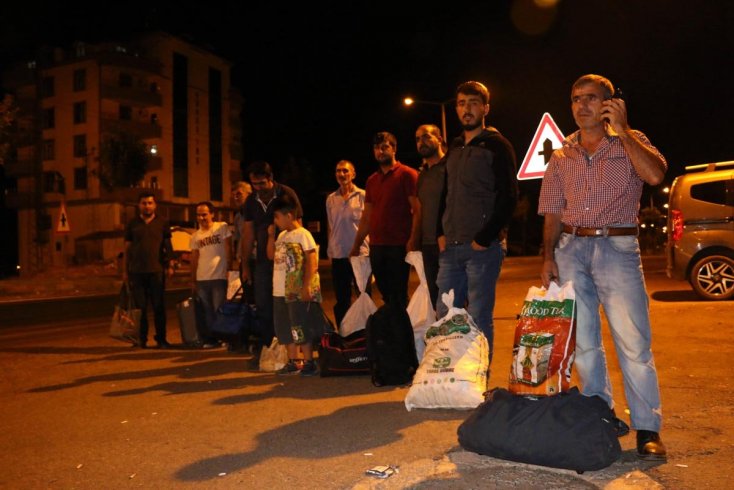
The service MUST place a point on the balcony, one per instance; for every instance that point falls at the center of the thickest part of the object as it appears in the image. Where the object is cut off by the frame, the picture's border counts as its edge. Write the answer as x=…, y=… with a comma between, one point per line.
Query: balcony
x=20, y=168
x=128, y=195
x=124, y=60
x=133, y=96
x=155, y=163
x=143, y=129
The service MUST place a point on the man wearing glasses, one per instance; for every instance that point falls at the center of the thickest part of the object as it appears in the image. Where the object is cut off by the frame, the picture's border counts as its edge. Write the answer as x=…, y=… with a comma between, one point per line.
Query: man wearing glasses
x=258, y=215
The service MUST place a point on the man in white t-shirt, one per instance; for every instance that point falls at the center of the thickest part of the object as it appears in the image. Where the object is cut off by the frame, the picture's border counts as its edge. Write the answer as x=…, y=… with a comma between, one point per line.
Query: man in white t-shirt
x=210, y=261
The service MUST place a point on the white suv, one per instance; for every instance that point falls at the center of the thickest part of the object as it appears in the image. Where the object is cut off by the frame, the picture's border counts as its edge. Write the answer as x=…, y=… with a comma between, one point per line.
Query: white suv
x=700, y=245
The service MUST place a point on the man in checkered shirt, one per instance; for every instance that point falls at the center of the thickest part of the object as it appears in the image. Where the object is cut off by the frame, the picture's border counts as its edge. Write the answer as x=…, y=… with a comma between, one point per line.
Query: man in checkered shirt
x=590, y=198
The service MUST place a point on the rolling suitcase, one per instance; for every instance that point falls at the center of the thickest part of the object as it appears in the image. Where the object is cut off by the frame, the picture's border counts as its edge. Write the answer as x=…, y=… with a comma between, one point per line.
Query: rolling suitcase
x=187, y=319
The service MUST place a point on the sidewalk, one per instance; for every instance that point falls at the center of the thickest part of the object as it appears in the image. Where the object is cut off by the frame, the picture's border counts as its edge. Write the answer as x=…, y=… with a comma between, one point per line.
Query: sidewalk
x=81, y=280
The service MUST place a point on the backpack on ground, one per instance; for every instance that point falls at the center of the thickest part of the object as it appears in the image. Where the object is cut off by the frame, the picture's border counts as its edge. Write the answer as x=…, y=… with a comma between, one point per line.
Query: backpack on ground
x=391, y=346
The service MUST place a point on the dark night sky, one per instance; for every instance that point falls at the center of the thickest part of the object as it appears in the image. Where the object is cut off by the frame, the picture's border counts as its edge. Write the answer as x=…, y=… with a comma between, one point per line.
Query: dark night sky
x=320, y=78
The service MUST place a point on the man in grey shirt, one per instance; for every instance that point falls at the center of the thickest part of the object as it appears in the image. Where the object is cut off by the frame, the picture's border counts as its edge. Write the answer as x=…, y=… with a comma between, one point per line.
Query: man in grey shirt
x=430, y=145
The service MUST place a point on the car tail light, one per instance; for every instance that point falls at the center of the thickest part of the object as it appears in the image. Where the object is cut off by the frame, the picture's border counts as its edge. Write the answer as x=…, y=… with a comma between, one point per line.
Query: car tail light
x=677, y=224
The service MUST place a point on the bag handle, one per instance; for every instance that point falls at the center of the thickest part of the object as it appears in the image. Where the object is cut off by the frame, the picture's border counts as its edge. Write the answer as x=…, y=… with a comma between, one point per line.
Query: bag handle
x=126, y=294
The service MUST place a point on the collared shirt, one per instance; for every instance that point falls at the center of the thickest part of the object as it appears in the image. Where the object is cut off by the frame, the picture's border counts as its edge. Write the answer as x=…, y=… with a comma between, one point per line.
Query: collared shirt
x=344, y=216
x=431, y=180
x=391, y=217
x=596, y=190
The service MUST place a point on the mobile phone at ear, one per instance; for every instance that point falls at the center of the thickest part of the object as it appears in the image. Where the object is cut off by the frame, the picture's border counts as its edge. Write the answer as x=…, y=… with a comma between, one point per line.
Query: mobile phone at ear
x=618, y=94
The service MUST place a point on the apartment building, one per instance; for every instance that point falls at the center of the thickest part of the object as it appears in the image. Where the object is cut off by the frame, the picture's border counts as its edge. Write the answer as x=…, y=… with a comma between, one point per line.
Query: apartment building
x=174, y=96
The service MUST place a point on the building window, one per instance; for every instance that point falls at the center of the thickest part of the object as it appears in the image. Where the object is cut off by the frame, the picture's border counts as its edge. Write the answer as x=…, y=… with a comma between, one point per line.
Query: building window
x=47, y=86
x=80, y=80
x=81, y=51
x=48, y=120
x=48, y=150
x=80, y=145
x=126, y=112
x=53, y=182
x=126, y=80
x=80, y=112
x=80, y=178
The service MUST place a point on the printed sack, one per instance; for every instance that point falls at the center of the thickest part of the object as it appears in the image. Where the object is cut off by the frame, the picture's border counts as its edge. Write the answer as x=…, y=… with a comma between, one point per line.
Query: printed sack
x=545, y=340
x=455, y=365
x=357, y=314
x=420, y=309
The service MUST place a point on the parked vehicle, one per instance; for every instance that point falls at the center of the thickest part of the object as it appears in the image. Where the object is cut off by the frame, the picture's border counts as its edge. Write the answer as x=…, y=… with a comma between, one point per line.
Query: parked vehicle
x=700, y=245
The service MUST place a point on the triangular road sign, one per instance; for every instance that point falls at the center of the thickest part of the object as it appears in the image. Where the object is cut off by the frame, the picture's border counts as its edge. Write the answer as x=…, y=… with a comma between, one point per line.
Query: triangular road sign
x=547, y=138
x=63, y=225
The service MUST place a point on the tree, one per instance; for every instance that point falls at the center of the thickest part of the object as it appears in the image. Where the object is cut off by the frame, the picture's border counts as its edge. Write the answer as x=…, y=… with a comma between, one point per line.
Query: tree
x=123, y=160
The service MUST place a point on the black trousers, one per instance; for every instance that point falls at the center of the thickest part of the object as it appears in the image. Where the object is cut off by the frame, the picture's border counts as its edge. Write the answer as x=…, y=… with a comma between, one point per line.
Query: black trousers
x=342, y=277
x=391, y=272
x=430, y=266
x=149, y=289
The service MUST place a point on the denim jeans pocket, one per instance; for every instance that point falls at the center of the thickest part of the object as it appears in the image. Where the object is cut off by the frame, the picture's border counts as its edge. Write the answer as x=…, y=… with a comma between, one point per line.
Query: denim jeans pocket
x=624, y=244
x=564, y=240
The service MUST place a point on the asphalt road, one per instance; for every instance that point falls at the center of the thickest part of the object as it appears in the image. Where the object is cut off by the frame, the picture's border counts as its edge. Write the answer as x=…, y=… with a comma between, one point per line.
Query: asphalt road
x=78, y=410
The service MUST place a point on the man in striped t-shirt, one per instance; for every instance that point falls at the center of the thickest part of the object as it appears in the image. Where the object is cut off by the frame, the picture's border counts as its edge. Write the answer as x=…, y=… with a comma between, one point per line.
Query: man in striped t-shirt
x=590, y=198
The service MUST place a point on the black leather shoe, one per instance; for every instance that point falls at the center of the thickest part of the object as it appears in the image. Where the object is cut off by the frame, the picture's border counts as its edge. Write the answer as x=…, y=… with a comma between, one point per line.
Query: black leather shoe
x=163, y=345
x=142, y=344
x=620, y=425
x=650, y=447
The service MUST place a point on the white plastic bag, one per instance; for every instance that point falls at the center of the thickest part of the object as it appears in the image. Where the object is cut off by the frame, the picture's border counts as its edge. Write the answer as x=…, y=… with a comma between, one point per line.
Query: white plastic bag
x=356, y=317
x=454, y=369
x=273, y=357
x=233, y=284
x=420, y=309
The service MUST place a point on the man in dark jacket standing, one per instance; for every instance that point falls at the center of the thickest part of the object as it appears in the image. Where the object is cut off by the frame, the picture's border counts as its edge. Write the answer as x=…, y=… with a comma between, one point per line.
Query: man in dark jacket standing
x=148, y=259
x=481, y=194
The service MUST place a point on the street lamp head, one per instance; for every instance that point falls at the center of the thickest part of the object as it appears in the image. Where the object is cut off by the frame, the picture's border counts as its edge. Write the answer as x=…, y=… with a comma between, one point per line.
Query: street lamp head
x=408, y=101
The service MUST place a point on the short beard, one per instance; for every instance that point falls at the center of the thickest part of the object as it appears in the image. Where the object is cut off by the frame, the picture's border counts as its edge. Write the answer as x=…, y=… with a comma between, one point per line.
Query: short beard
x=471, y=127
x=428, y=152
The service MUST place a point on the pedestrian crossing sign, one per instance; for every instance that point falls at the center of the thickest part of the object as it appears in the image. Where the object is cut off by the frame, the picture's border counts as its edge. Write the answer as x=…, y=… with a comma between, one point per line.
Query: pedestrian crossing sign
x=547, y=139
x=63, y=224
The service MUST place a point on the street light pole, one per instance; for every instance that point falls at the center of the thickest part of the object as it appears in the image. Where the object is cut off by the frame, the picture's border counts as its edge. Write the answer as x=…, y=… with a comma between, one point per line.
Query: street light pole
x=409, y=101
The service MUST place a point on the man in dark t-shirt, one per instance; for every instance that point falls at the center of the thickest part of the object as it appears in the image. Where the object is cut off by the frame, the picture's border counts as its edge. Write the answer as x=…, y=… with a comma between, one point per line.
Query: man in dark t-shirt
x=148, y=259
x=258, y=215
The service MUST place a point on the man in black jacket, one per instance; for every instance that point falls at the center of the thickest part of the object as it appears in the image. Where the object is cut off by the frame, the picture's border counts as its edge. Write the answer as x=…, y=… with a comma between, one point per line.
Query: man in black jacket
x=481, y=194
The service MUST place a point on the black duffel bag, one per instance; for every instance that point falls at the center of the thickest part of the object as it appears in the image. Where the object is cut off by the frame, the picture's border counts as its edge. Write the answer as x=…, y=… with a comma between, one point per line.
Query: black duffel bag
x=567, y=430
x=343, y=356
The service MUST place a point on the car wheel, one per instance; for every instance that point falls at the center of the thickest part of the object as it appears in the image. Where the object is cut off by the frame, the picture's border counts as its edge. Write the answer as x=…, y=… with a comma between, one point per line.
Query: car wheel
x=712, y=277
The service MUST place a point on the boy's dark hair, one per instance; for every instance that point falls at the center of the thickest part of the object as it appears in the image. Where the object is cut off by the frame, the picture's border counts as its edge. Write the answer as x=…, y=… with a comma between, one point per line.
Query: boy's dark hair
x=284, y=204
x=384, y=136
x=474, y=88
x=145, y=195
x=260, y=169
x=208, y=204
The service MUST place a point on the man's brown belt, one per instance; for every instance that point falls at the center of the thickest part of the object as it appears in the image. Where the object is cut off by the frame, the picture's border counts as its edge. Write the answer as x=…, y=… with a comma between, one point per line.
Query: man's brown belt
x=609, y=231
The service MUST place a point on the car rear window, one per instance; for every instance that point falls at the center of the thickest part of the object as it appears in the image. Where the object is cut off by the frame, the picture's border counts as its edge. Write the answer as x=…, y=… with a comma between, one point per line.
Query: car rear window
x=713, y=192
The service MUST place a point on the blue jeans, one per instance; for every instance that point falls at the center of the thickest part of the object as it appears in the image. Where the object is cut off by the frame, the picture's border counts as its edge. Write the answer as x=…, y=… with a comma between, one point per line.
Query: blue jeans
x=608, y=271
x=472, y=274
x=212, y=294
